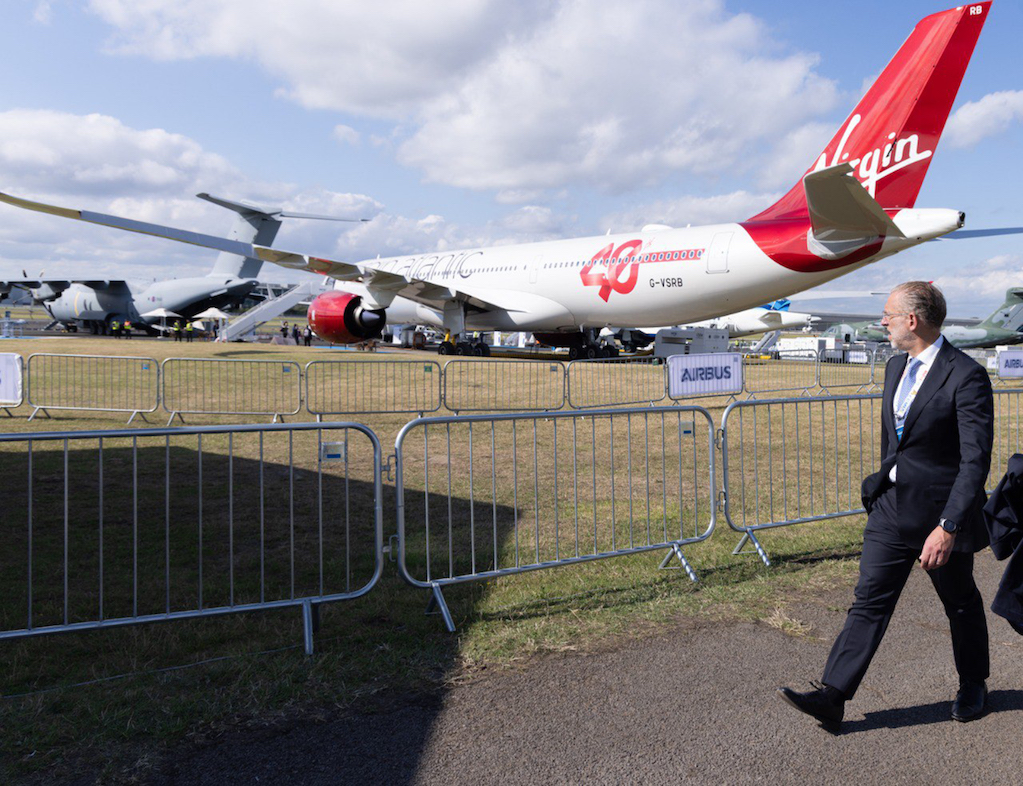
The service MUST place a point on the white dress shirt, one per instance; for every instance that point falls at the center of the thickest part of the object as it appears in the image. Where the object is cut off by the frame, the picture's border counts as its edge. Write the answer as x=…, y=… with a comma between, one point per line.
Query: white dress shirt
x=926, y=359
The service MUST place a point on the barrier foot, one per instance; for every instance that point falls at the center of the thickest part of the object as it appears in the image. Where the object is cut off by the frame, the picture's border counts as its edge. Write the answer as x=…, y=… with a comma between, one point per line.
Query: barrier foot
x=36, y=411
x=310, y=624
x=277, y=418
x=437, y=600
x=8, y=412
x=175, y=415
x=137, y=414
x=676, y=551
x=749, y=537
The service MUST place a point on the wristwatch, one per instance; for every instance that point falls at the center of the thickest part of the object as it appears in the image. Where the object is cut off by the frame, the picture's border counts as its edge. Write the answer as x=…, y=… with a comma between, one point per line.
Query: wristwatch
x=949, y=526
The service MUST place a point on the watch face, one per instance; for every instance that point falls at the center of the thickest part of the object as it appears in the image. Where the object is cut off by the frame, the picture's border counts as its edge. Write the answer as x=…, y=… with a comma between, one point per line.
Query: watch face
x=949, y=526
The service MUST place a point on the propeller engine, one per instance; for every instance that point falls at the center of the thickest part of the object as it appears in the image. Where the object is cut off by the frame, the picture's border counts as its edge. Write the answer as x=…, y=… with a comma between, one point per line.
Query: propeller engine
x=340, y=318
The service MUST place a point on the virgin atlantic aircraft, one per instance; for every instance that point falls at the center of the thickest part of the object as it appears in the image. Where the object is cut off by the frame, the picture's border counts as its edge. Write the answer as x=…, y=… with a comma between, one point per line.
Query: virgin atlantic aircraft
x=855, y=205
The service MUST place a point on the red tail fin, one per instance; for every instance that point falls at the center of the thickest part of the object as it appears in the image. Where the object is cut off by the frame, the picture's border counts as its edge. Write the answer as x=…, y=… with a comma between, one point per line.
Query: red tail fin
x=890, y=137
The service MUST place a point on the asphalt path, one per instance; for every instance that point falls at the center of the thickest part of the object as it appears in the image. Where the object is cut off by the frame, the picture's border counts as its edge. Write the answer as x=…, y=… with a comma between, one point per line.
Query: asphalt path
x=695, y=705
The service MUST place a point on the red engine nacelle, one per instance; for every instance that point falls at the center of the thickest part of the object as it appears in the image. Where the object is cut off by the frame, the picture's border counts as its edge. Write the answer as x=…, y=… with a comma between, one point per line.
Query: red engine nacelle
x=339, y=317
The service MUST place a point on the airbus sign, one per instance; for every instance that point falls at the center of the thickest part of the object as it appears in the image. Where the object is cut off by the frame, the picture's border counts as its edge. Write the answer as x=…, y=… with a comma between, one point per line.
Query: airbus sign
x=703, y=375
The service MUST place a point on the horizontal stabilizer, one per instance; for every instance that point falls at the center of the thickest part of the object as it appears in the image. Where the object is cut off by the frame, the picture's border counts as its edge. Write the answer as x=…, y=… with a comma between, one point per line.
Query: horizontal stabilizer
x=841, y=209
x=966, y=234
x=245, y=209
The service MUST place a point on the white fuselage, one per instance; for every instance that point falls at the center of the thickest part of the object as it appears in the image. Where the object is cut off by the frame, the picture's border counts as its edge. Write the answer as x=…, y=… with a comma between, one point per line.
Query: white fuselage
x=643, y=279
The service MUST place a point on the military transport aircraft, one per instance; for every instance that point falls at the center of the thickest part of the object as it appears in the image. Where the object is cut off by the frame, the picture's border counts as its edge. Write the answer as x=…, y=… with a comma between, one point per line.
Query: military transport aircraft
x=93, y=304
x=1004, y=326
x=854, y=206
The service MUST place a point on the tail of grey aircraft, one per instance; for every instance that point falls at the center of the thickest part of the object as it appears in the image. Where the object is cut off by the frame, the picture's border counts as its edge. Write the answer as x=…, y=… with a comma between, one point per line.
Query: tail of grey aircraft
x=255, y=226
x=1009, y=315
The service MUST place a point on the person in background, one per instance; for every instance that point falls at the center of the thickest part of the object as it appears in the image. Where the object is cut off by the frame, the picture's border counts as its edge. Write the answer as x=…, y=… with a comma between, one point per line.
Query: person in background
x=126, y=328
x=295, y=334
x=307, y=334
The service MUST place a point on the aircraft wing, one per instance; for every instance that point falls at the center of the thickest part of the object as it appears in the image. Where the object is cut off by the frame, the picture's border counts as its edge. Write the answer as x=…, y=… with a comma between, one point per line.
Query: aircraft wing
x=383, y=286
x=966, y=234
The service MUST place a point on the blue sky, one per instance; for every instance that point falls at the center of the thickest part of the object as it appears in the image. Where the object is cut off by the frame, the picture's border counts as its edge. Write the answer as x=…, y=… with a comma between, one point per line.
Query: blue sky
x=470, y=122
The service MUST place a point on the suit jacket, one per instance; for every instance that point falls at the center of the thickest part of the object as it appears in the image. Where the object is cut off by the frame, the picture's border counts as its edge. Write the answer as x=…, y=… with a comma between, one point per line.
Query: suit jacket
x=1003, y=514
x=945, y=452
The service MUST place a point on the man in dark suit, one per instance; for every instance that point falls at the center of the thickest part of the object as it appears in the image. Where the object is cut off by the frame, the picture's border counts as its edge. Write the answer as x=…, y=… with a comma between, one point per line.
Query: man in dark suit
x=924, y=504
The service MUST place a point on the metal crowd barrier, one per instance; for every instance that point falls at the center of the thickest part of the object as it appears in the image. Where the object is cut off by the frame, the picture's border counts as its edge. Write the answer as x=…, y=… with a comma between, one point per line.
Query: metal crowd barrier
x=608, y=382
x=11, y=362
x=845, y=368
x=795, y=460
x=792, y=371
x=503, y=385
x=479, y=497
x=1008, y=432
x=337, y=387
x=112, y=528
x=93, y=383
x=231, y=387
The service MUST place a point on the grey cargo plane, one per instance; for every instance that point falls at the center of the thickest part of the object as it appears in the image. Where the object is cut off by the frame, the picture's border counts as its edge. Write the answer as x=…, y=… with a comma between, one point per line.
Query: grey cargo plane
x=92, y=304
x=1002, y=327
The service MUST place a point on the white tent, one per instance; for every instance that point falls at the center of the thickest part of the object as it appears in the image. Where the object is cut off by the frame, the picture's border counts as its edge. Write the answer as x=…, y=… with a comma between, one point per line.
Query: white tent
x=163, y=314
x=214, y=313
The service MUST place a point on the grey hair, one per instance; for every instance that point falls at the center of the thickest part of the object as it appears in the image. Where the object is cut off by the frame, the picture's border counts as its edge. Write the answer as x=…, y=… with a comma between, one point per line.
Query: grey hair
x=925, y=300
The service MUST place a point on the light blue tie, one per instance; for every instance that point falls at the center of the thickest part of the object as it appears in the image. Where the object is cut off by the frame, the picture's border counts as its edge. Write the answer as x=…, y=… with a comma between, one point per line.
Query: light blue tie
x=907, y=386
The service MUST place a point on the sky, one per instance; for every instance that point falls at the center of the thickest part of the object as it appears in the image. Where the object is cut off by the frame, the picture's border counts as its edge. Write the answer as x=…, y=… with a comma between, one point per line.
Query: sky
x=471, y=122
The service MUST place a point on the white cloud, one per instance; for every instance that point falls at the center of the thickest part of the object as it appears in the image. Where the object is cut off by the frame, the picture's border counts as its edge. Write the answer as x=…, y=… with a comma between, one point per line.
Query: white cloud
x=602, y=99
x=977, y=120
x=97, y=163
x=987, y=279
x=516, y=97
x=346, y=135
x=380, y=59
x=736, y=206
x=43, y=13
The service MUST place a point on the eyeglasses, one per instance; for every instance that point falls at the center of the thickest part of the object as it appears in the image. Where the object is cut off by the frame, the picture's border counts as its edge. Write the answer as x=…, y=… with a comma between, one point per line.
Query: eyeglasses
x=889, y=317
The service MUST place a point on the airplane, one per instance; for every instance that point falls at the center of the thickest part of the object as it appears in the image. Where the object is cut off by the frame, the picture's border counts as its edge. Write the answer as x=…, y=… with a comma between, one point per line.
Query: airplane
x=94, y=303
x=1004, y=326
x=854, y=206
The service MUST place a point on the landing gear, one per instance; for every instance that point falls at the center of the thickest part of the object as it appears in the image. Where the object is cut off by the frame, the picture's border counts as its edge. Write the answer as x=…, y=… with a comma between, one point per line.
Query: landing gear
x=592, y=348
x=475, y=347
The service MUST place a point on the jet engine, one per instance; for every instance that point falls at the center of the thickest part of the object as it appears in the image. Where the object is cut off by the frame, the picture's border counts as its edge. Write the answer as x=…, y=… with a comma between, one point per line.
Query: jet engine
x=340, y=318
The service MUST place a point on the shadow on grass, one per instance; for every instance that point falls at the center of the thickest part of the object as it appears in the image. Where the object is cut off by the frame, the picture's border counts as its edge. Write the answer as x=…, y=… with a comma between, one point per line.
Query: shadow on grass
x=265, y=520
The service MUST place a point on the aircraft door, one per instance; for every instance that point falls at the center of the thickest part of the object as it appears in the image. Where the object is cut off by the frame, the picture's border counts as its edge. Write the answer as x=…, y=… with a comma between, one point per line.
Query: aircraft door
x=717, y=254
x=534, y=269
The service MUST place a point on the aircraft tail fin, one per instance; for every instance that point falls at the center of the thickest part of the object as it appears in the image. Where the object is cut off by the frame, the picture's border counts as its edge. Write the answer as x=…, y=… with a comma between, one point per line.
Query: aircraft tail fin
x=890, y=137
x=254, y=225
x=1009, y=315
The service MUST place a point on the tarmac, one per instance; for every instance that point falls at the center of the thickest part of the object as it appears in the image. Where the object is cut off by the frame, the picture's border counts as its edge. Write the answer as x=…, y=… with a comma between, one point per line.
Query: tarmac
x=695, y=705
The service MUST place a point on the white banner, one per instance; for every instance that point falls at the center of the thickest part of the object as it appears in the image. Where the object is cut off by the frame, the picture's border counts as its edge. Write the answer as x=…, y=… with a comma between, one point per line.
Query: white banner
x=1010, y=363
x=702, y=375
x=10, y=379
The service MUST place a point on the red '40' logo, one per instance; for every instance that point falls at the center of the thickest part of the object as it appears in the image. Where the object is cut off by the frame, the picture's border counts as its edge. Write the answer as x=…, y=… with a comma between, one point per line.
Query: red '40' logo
x=606, y=268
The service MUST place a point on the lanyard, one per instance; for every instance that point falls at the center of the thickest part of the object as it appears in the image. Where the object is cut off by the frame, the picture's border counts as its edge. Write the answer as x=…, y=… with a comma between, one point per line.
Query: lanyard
x=900, y=414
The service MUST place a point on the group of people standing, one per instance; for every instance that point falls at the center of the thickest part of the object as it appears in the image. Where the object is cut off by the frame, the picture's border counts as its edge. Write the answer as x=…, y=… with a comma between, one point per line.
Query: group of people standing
x=183, y=329
x=119, y=329
x=299, y=337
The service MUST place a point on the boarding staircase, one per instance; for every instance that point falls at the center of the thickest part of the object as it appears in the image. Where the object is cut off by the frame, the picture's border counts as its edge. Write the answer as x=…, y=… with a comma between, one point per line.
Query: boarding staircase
x=245, y=323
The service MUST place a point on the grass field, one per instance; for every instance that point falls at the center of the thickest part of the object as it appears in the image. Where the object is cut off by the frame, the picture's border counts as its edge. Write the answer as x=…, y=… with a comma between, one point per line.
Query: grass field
x=496, y=498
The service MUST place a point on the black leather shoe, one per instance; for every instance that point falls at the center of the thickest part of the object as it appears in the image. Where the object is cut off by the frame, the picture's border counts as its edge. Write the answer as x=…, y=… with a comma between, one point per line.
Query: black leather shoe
x=822, y=703
x=970, y=701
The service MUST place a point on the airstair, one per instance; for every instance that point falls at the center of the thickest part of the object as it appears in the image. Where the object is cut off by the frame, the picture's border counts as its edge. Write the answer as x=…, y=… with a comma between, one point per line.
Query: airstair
x=267, y=310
